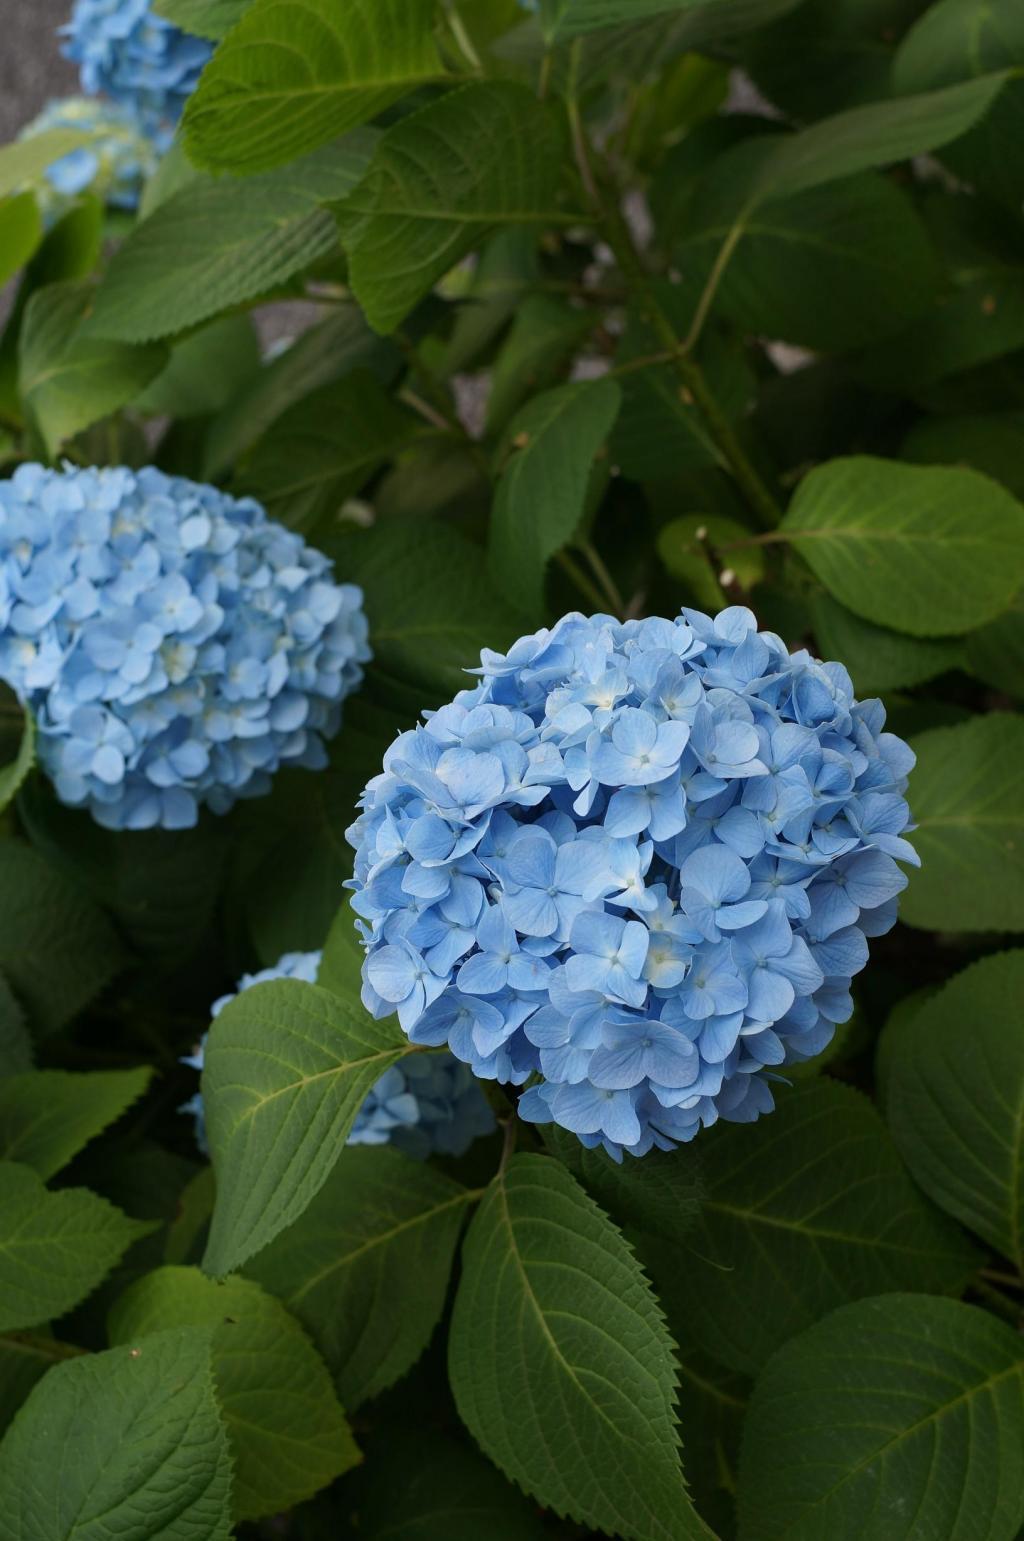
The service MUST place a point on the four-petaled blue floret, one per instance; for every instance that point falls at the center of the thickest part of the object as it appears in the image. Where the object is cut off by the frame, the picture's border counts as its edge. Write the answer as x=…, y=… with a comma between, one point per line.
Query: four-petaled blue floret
x=114, y=165
x=635, y=866
x=174, y=644
x=124, y=50
x=426, y=1104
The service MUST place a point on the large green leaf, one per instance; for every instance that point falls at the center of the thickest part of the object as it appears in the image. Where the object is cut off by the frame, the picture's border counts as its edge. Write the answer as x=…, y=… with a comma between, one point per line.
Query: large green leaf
x=204, y=18
x=802, y=1212
x=21, y=230
x=830, y=268
x=992, y=442
x=287, y=1433
x=25, y=1359
x=322, y=449
x=14, y=773
x=288, y=1067
x=544, y=334
x=560, y=1361
x=929, y=550
x=57, y=949
x=995, y=653
x=69, y=379
x=54, y=1247
x=712, y=1404
x=541, y=496
x=956, y=1099
x=965, y=796
x=47, y=1116
x=344, y=1268
x=214, y=245
x=124, y=1443
x=568, y=18
x=205, y=371
x=15, y=1043
x=895, y=1419
x=430, y=601
x=485, y=155
x=879, y=659
x=661, y=1194
x=294, y=74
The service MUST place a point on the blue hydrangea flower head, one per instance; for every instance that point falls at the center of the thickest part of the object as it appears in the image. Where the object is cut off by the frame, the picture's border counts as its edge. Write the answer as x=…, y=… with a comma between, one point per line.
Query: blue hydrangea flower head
x=426, y=1103
x=635, y=867
x=114, y=165
x=175, y=645
x=124, y=50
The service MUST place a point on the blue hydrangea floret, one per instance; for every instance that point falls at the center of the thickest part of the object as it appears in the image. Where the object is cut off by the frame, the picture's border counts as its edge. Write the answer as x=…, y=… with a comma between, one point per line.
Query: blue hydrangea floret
x=426, y=1104
x=175, y=645
x=126, y=51
x=114, y=165
x=636, y=867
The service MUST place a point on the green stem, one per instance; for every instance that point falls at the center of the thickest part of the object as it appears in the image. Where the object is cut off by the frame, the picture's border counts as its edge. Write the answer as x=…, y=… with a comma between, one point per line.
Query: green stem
x=603, y=576
x=461, y=36
x=583, y=581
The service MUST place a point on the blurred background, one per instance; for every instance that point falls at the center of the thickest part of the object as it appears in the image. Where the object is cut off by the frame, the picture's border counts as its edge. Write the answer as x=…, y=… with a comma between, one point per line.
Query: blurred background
x=31, y=68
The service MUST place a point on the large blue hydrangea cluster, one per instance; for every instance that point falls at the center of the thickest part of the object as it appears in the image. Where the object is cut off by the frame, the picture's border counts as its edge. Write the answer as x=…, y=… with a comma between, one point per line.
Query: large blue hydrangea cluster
x=426, y=1104
x=125, y=51
x=637, y=863
x=114, y=165
x=175, y=645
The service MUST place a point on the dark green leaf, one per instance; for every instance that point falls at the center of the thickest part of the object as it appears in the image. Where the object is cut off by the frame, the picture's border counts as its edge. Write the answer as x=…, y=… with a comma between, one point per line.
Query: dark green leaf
x=864, y=525
x=54, y=1247
x=287, y=1433
x=560, y=1361
x=804, y=1210
x=880, y=660
x=294, y=74
x=21, y=230
x=57, y=949
x=47, y=1116
x=127, y=1443
x=204, y=18
x=965, y=796
x=422, y=1485
x=892, y=1420
x=995, y=653
x=993, y=443
x=956, y=1100
x=214, y=245
x=544, y=334
x=440, y=180
x=25, y=1359
x=15, y=1043
x=541, y=495
x=380, y=1221
x=205, y=371
x=660, y=1195
x=697, y=559
x=288, y=1067
x=13, y=774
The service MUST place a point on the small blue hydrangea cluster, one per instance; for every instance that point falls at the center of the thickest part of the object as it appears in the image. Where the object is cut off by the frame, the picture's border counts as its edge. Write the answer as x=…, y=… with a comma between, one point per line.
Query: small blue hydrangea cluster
x=114, y=164
x=426, y=1104
x=637, y=863
x=125, y=51
x=175, y=645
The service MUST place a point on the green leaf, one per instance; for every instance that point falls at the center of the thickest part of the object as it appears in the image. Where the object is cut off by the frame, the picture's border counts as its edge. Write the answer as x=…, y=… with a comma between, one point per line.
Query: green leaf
x=344, y=1268
x=205, y=371
x=995, y=653
x=661, y=1194
x=294, y=74
x=542, y=492
x=485, y=155
x=322, y=449
x=27, y=159
x=24, y=1360
x=830, y=268
x=880, y=660
x=54, y=1247
x=893, y=1419
x=57, y=949
x=341, y=958
x=12, y=775
x=568, y=18
x=47, y=1116
x=803, y=1211
x=992, y=442
x=430, y=601
x=864, y=525
x=542, y=338
x=203, y=18
x=560, y=1361
x=69, y=379
x=21, y=231
x=956, y=1099
x=127, y=1442
x=965, y=795
x=712, y=1404
x=421, y=1485
x=335, y=346
x=287, y=1433
x=214, y=245
x=696, y=560
x=288, y=1067
x=15, y=1043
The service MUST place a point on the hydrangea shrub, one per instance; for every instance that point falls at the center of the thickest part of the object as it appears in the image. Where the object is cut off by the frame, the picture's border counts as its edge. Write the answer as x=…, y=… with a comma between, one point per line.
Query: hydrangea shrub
x=511, y=567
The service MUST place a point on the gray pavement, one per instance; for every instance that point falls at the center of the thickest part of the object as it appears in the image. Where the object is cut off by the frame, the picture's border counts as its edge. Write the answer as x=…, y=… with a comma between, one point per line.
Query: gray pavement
x=31, y=68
